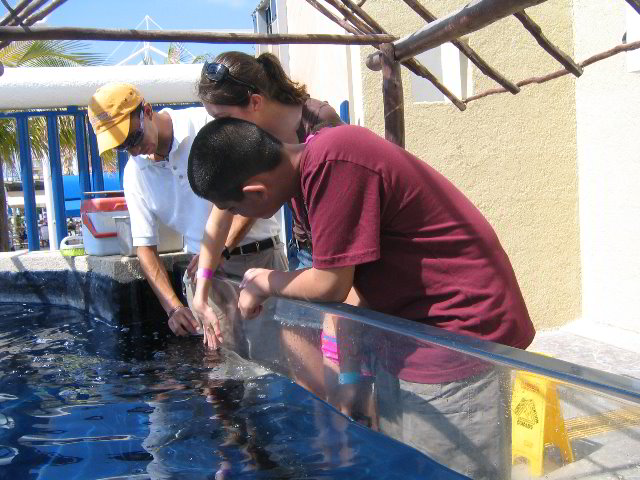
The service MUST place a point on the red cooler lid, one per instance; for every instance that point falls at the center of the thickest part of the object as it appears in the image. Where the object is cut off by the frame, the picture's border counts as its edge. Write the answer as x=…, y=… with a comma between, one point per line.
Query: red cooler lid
x=113, y=204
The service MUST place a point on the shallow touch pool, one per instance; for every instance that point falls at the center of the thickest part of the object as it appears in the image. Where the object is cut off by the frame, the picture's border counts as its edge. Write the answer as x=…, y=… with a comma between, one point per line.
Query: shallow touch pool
x=84, y=398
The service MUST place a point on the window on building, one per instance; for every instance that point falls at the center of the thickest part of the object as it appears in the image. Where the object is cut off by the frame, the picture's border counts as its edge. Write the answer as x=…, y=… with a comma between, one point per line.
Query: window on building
x=264, y=18
x=450, y=66
x=273, y=9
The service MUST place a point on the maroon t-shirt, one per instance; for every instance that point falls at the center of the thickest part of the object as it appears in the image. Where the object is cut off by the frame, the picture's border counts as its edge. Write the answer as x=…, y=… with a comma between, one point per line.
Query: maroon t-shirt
x=421, y=249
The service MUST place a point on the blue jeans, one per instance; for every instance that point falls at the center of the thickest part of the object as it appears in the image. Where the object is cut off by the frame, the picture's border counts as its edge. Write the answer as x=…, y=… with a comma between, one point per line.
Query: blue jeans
x=298, y=259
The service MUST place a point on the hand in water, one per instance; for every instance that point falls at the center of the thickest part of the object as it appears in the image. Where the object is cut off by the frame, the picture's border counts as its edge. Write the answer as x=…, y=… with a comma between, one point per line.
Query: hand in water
x=182, y=322
x=210, y=324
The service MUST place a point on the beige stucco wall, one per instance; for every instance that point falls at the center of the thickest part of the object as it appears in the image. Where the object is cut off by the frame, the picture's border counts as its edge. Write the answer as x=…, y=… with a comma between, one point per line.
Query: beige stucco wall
x=514, y=156
x=608, y=119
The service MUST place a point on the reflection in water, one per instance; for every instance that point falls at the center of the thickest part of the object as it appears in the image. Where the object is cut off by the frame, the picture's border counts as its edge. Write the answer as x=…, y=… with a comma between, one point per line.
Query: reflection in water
x=84, y=398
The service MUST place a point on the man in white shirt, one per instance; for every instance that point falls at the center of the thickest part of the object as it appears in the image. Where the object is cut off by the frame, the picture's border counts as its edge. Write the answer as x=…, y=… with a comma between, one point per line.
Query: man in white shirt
x=157, y=191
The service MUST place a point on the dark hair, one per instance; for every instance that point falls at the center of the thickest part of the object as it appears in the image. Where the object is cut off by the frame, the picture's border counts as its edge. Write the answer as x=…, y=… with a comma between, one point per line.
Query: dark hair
x=264, y=72
x=225, y=154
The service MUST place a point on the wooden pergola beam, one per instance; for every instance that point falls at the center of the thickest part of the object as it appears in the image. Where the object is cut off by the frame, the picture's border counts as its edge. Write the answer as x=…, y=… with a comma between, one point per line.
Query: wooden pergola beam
x=44, y=12
x=534, y=29
x=416, y=67
x=13, y=13
x=472, y=17
x=348, y=15
x=625, y=47
x=69, y=33
x=343, y=23
x=33, y=18
x=368, y=19
x=392, y=97
x=412, y=64
x=471, y=54
x=28, y=11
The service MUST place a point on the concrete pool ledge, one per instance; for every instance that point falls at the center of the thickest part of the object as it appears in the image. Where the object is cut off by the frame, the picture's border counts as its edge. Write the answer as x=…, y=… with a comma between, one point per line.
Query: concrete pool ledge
x=105, y=286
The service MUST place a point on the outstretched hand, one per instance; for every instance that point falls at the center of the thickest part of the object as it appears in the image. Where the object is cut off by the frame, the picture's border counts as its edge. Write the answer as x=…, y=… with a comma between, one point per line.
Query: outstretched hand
x=210, y=324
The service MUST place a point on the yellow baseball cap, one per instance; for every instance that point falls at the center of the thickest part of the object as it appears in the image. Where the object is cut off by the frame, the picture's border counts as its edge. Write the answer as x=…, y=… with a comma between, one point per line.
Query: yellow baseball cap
x=109, y=113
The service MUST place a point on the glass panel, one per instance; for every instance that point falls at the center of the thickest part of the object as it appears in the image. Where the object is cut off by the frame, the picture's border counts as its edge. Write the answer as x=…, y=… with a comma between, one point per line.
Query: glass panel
x=481, y=409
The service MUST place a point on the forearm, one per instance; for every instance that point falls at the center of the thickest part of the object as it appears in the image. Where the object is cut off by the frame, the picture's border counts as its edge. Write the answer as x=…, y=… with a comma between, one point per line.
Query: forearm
x=213, y=242
x=214, y=238
x=157, y=276
x=239, y=229
x=312, y=285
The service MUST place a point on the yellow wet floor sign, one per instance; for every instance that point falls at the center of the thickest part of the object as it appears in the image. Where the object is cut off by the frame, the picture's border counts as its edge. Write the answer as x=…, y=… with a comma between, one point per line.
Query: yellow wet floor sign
x=536, y=421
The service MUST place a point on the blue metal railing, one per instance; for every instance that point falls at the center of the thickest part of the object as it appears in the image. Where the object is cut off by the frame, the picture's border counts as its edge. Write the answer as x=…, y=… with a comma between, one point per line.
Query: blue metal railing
x=57, y=185
x=26, y=174
x=90, y=179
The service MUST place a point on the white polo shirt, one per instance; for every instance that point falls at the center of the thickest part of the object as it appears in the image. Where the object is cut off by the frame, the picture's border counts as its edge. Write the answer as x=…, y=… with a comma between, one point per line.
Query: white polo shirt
x=160, y=191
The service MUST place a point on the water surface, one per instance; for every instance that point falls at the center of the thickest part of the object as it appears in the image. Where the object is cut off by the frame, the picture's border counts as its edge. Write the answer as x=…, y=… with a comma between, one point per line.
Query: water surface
x=83, y=398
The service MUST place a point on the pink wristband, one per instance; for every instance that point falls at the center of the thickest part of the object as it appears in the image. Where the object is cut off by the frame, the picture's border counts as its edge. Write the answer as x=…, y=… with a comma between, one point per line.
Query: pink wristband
x=205, y=273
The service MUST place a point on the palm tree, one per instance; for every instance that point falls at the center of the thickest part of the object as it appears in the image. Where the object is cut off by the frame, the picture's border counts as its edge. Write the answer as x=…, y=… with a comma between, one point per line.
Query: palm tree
x=40, y=53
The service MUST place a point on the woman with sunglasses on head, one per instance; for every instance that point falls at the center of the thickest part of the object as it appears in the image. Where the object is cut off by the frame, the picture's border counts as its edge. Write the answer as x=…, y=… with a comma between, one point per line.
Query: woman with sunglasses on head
x=257, y=90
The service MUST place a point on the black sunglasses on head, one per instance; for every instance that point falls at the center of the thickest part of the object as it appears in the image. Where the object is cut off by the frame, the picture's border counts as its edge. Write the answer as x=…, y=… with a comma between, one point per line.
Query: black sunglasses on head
x=218, y=72
x=134, y=138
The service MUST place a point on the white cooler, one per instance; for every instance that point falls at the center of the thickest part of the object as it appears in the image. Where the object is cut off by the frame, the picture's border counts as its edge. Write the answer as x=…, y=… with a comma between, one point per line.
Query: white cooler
x=100, y=233
x=98, y=226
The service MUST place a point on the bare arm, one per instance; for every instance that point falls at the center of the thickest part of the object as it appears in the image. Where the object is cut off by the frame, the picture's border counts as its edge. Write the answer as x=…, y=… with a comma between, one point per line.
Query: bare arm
x=213, y=242
x=239, y=229
x=156, y=274
x=182, y=321
x=215, y=230
x=222, y=229
x=312, y=284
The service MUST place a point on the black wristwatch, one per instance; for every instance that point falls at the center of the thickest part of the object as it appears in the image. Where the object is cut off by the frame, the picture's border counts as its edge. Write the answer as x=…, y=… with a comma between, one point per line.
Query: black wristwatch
x=226, y=254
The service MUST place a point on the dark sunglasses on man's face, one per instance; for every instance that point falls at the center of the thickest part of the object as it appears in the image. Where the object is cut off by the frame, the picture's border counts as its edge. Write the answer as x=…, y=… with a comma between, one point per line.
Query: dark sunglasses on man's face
x=218, y=72
x=134, y=138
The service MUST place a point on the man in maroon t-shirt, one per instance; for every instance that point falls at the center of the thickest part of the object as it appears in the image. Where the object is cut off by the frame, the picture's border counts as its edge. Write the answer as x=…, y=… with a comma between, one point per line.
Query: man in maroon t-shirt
x=383, y=223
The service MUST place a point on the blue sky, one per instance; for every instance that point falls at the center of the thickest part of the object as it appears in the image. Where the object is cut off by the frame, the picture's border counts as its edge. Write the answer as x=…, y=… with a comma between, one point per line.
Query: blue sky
x=169, y=14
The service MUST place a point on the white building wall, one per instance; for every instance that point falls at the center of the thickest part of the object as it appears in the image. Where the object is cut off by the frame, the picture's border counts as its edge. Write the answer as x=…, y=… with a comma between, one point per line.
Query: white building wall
x=608, y=136
x=329, y=71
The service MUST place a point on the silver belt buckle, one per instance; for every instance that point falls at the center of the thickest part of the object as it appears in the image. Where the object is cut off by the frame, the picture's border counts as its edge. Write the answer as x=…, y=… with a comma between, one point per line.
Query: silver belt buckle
x=257, y=246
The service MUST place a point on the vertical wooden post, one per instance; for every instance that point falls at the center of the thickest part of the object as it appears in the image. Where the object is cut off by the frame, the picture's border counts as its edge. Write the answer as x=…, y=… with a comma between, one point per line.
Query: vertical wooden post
x=392, y=96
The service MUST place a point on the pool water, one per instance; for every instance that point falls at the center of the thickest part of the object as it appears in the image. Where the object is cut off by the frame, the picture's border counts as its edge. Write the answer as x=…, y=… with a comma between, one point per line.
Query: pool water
x=84, y=398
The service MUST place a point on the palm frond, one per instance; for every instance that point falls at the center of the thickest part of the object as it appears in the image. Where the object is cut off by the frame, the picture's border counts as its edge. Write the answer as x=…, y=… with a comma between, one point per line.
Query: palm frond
x=67, y=135
x=8, y=140
x=49, y=53
x=201, y=58
x=176, y=53
x=110, y=161
x=11, y=54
